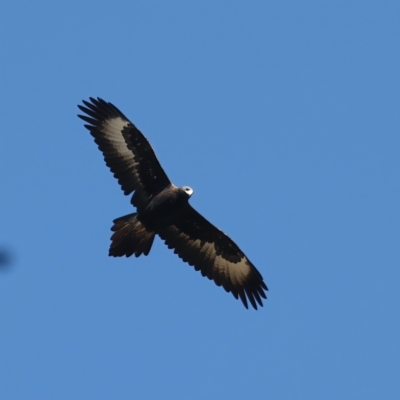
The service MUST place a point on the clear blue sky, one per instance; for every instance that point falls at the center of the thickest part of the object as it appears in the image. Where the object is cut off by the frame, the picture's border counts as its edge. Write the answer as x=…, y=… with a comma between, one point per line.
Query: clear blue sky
x=284, y=118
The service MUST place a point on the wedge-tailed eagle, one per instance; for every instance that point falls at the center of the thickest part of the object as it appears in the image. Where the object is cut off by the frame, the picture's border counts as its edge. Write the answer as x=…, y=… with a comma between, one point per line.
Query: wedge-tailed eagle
x=164, y=209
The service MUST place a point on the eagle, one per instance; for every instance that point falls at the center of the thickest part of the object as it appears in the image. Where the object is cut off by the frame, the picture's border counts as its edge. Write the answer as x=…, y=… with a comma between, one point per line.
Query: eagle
x=163, y=209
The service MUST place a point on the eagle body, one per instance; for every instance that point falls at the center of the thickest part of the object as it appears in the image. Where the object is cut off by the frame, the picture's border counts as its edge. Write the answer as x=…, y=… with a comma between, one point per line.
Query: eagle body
x=163, y=209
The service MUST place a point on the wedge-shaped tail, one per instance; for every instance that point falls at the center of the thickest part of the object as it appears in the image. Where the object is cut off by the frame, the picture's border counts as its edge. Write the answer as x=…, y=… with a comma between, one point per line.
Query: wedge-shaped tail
x=130, y=237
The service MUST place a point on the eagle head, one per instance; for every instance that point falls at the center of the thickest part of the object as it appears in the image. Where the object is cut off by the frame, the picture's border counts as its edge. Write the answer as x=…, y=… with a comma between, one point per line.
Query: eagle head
x=187, y=190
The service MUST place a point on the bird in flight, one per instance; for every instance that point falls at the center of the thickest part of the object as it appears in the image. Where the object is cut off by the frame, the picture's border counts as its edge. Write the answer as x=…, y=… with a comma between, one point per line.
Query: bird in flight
x=163, y=209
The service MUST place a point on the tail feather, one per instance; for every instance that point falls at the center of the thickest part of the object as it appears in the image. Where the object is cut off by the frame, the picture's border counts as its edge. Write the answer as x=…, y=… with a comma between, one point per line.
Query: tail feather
x=130, y=237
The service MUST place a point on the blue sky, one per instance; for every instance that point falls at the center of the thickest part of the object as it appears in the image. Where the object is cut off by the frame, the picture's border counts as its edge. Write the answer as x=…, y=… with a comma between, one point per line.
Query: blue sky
x=284, y=118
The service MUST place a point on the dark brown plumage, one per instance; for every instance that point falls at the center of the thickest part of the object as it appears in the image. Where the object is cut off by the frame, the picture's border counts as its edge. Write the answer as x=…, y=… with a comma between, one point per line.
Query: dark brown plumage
x=164, y=209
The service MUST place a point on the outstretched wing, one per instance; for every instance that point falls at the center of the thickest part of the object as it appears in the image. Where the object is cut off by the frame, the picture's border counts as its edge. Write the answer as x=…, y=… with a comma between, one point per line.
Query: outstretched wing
x=202, y=245
x=126, y=151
